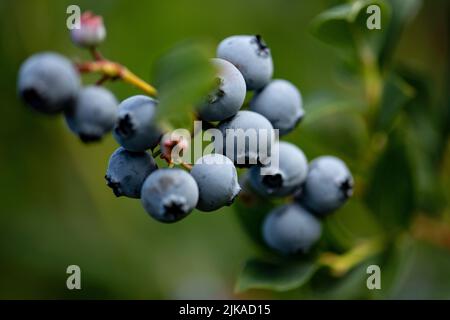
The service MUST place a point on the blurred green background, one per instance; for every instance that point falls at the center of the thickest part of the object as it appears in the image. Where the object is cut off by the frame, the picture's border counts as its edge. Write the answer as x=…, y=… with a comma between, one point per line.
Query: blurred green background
x=57, y=211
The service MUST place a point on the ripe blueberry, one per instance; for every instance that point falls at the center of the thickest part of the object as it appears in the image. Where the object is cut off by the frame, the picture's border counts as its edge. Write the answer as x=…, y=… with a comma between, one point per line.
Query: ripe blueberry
x=94, y=113
x=281, y=103
x=328, y=185
x=251, y=56
x=127, y=172
x=247, y=138
x=48, y=82
x=291, y=229
x=285, y=178
x=169, y=195
x=217, y=181
x=135, y=129
x=228, y=97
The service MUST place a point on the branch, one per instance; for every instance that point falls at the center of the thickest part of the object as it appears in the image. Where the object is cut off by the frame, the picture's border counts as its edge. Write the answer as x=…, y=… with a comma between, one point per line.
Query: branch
x=115, y=70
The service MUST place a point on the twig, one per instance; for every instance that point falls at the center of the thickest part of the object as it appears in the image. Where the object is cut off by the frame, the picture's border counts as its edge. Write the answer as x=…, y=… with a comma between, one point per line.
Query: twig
x=116, y=70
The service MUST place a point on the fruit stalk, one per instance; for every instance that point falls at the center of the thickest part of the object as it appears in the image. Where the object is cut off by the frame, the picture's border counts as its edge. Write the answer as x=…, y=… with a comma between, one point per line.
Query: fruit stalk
x=341, y=264
x=115, y=70
x=96, y=54
x=187, y=166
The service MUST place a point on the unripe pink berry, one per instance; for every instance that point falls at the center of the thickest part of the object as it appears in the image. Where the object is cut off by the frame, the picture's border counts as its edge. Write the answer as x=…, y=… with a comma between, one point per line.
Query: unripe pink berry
x=91, y=32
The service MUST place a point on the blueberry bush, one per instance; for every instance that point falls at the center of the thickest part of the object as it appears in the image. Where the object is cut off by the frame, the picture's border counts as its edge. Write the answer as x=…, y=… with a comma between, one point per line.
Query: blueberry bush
x=362, y=177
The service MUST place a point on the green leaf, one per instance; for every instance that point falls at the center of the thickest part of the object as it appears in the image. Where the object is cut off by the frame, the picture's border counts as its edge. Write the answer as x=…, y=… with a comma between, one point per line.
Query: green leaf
x=289, y=275
x=351, y=285
x=396, y=93
x=344, y=26
x=419, y=271
x=251, y=210
x=424, y=142
x=350, y=225
x=402, y=13
x=251, y=217
x=321, y=105
x=327, y=119
x=183, y=76
x=390, y=190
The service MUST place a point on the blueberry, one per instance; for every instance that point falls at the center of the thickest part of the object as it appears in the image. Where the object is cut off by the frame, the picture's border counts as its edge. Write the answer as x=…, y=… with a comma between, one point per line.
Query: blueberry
x=228, y=96
x=281, y=103
x=247, y=138
x=291, y=229
x=135, y=129
x=48, y=82
x=328, y=185
x=217, y=181
x=251, y=56
x=127, y=172
x=94, y=113
x=284, y=179
x=169, y=195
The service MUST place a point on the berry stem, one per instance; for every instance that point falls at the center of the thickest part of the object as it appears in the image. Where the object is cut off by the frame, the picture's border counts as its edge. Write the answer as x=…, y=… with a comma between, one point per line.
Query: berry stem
x=131, y=78
x=115, y=70
x=96, y=54
x=341, y=264
x=187, y=166
x=167, y=157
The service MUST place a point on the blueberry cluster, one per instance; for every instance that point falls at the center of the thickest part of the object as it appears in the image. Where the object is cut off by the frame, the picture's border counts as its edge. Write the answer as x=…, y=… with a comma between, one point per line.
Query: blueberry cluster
x=50, y=83
x=317, y=188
